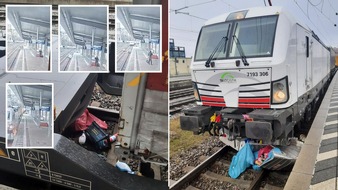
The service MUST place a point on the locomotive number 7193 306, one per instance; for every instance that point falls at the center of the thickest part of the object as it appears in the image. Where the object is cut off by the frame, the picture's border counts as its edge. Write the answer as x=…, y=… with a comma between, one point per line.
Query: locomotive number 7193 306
x=256, y=74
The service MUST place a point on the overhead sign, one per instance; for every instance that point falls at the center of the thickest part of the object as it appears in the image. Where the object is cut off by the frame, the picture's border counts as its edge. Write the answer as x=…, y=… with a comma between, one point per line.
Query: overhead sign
x=41, y=41
x=45, y=108
x=155, y=41
x=97, y=48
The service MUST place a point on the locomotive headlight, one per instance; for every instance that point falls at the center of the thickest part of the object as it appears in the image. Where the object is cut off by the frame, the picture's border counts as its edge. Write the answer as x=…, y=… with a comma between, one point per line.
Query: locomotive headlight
x=279, y=91
x=279, y=96
x=196, y=94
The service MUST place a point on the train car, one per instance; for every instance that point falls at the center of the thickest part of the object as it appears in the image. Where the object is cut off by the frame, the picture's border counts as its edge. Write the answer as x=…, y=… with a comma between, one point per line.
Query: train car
x=259, y=72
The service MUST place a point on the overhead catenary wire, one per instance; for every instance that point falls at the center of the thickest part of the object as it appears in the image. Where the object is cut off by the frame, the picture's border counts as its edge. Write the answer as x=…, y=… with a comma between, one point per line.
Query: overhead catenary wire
x=321, y=9
x=193, y=5
x=307, y=10
x=184, y=30
x=335, y=11
x=310, y=20
x=321, y=12
x=178, y=11
x=188, y=14
x=223, y=1
x=320, y=2
x=319, y=22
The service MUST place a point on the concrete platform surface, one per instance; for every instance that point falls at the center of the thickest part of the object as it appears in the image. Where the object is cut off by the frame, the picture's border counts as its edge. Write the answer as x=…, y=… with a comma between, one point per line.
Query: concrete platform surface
x=317, y=165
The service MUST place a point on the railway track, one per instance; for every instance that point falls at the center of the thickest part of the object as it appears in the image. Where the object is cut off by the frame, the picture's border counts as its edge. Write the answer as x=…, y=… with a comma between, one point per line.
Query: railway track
x=123, y=57
x=174, y=94
x=64, y=64
x=176, y=105
x=206, y=171
x=179, y=96
x=12, y=57
x=65, y=59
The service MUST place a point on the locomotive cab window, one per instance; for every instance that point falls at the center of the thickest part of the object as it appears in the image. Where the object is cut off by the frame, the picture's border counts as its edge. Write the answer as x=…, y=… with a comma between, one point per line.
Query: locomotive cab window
x=255, y=36
x=210, y=37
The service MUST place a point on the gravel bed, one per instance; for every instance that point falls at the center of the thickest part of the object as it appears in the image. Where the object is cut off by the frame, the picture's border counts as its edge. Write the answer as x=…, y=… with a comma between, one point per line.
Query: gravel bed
x=223, y=169
x=164, y=173
x=178, y=114
x=134, y=163
x=205, y=183
x=102, y=100
x=191, y=157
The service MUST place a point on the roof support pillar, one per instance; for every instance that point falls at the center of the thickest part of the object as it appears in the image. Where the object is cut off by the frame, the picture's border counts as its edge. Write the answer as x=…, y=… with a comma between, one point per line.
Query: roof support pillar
x=91, y=49
x=40, y=108
x=37, y=37
x=150, y=37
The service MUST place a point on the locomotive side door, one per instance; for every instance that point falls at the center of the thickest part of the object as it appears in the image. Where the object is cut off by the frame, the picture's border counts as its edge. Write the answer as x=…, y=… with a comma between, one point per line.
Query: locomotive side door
x=308, y=53
x=301, y=61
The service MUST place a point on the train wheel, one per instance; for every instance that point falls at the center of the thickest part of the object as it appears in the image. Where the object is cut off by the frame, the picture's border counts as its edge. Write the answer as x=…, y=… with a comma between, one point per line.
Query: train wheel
x=210, y=128
x=216, y=130
x=308, y=114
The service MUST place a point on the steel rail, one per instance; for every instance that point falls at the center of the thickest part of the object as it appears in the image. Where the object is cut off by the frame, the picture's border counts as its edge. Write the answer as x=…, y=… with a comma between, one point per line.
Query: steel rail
x=197, y=170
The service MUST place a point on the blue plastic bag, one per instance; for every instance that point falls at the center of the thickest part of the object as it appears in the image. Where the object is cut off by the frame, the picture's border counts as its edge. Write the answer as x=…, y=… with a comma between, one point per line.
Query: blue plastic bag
x=243, y=159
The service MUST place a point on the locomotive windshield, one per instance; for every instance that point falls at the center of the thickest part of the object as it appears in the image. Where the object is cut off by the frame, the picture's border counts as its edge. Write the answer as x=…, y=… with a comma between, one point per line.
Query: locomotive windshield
x=209, y=39
x=256, y=37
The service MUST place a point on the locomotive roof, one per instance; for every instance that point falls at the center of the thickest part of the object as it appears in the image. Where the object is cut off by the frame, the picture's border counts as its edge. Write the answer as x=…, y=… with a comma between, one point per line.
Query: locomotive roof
x=252, y=12
x=263, y=11
x=255, y=12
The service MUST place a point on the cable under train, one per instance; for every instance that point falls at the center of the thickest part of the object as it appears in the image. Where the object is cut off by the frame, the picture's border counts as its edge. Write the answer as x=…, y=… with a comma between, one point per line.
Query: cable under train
x=256, y=74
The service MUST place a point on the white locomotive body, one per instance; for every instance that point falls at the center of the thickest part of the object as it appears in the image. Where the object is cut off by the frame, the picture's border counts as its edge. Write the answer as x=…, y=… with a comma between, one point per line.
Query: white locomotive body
x=261, y=71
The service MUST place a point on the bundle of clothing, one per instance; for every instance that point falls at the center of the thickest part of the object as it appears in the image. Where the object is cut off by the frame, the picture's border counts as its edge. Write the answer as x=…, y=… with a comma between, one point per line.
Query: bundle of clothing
x=247, y=157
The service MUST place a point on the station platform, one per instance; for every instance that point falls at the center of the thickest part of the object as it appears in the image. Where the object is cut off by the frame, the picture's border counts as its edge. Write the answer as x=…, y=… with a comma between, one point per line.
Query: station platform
x=31, y=134
x=27, y=59
x=138, y=61
x=79, y=62
x=33, y=62
x=317, y=165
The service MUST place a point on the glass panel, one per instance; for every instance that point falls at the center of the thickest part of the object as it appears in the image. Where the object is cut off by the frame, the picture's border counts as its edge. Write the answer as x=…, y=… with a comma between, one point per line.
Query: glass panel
x=256, y=36
x=209, y=39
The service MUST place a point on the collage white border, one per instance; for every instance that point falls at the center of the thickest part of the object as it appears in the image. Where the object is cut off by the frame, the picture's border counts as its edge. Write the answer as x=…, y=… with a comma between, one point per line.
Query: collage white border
x=52, y=118
x=50, y=38
x=161, y=40
x=59, y=39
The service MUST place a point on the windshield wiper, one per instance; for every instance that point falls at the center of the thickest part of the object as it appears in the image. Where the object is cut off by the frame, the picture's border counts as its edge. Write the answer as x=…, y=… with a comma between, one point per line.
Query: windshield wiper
x=240, y=49
x=216, y=50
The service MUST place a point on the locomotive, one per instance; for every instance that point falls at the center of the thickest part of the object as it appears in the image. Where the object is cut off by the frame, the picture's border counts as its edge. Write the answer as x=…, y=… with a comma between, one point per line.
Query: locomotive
x=256, y=74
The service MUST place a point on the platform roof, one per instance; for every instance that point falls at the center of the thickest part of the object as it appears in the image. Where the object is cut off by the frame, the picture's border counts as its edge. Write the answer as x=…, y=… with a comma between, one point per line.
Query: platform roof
x=27, y=21
x=139, y=20
x=30, y=94
x=80, y=22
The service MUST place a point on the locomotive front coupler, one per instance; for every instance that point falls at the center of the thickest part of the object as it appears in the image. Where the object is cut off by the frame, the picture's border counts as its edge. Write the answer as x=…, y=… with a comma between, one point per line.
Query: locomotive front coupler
x=270, y=126
x=233, y=122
